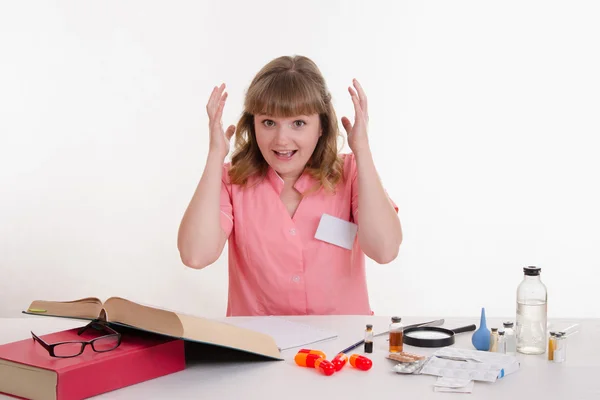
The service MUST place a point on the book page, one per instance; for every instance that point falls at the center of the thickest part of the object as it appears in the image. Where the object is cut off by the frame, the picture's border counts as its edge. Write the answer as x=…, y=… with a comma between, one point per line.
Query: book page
x=88, y=308
x=144, y=317
x=16, y=379
x=189, y=327
x=228, y=335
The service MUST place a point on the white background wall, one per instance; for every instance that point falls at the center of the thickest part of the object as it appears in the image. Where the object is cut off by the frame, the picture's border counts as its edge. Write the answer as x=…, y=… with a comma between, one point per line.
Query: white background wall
x=484, y=125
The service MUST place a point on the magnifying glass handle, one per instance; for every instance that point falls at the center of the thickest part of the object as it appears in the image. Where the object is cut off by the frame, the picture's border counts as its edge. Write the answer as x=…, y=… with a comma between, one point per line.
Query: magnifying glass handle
x=437, y=322
x=464, y=329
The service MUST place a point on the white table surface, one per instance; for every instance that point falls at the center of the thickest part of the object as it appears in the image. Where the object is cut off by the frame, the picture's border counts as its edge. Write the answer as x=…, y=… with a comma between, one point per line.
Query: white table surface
x=577, y=378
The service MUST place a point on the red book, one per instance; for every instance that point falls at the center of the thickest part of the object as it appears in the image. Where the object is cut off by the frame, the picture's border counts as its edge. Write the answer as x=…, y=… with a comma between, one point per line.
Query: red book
x=27, y=370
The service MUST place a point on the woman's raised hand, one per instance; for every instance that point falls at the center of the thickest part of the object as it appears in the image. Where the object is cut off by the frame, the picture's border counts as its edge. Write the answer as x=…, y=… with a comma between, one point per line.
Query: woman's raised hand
x=219, y=140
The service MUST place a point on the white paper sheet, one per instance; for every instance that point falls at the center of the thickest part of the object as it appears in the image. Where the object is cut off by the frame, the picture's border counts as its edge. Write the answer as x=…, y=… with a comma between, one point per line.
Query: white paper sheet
x=287, y=334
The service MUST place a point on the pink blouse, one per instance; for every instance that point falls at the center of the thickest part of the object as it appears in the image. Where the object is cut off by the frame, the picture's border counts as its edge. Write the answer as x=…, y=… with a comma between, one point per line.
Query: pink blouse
x=276, y=266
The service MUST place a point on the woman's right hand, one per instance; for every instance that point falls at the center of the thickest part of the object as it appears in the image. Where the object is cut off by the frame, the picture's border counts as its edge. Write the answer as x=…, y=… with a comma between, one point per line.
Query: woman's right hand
x=219, y=140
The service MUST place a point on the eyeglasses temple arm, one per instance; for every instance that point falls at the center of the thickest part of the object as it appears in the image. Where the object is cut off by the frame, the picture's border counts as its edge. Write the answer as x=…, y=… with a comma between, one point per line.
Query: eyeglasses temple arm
x=44, y=344
x=99, y=323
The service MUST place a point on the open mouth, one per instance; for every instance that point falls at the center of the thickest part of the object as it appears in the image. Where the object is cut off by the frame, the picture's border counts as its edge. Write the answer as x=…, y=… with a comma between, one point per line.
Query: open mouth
x=285, y=155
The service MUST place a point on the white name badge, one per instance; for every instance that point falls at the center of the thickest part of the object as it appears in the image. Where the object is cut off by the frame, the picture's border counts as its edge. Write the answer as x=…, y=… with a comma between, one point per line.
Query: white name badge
x=336, y=231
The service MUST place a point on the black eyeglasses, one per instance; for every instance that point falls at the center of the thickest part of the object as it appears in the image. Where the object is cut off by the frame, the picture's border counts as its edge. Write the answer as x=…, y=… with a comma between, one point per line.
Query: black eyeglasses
x=74, y=348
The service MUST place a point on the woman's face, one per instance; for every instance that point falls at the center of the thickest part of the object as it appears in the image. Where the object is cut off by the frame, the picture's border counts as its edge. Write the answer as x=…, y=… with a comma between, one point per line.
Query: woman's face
x=287, y=143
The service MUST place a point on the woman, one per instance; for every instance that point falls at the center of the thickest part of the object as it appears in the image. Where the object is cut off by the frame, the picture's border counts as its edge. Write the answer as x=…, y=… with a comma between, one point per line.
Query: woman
x=288, y=203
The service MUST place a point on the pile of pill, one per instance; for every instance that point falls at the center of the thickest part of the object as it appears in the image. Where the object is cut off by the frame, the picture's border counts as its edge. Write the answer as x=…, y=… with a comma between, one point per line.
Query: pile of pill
x=408, y=363
x=318, y=360
x=408, y=368
x=314, y=359
x=405, y=357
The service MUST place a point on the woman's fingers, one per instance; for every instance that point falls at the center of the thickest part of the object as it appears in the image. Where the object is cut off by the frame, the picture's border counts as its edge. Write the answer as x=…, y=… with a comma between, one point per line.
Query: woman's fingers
x=356, y=101
x=347, y=125
x=220, y=106
x=214, y=101
x=210, y=105
x=361, y=95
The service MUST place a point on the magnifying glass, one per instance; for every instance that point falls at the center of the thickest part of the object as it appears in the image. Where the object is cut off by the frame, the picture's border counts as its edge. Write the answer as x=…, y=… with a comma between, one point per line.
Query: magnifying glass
x=433, y=336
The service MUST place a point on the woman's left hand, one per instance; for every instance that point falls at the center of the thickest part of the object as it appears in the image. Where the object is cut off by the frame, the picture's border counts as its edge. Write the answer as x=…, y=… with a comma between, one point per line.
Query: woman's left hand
x=357, y=133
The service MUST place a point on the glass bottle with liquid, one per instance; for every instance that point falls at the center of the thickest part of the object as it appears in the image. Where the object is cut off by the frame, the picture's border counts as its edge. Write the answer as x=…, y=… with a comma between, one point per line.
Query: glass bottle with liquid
x=369, y=339
x=396, y=335
x=551, y=345
x=532, y=299
x=494, y=340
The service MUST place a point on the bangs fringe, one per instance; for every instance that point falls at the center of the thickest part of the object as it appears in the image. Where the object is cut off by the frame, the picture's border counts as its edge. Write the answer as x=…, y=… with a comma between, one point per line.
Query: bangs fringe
x=284, y=95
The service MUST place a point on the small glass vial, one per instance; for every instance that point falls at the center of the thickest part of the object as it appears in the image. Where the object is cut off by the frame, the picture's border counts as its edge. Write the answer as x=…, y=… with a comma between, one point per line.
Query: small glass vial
x=501, y=342
x=551, y=346
x=510, y=340
x=560, y=351
x=369, y=339
x=494, y=340
x=396, y=335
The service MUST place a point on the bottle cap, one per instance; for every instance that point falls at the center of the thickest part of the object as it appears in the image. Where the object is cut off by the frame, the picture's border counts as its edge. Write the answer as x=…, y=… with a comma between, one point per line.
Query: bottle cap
x=500, y=333
x=494, y=329
x=396, y=319
x=552, y=333
x=369, y=326
x=532, y=271
x=508, y=324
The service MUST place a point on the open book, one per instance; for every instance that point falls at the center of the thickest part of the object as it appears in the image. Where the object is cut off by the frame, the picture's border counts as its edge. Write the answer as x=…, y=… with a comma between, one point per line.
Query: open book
x=119, y=311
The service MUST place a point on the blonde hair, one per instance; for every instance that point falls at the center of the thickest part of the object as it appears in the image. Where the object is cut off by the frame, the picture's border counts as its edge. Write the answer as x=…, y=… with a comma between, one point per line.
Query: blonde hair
x=285, y=87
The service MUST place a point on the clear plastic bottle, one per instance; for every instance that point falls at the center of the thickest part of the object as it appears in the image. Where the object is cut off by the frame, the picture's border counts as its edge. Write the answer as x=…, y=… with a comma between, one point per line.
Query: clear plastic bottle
x=560, y=352
x=396, y=335
x=532, y=311
x=501, y=343
x=510, y=341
